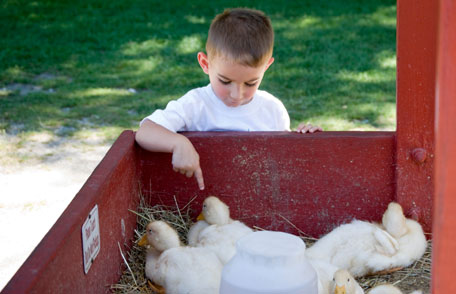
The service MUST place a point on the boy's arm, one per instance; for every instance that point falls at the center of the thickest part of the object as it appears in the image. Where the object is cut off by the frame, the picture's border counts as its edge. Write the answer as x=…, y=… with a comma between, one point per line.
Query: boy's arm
x=154, y=137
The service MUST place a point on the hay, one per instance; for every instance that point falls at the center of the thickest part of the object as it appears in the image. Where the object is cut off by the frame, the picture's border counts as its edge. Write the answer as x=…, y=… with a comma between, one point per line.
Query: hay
x=133, y=280
x=415, y=277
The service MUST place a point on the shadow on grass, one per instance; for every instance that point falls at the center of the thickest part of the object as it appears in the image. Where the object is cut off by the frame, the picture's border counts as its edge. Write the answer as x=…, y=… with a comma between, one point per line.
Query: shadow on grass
x=334, y=61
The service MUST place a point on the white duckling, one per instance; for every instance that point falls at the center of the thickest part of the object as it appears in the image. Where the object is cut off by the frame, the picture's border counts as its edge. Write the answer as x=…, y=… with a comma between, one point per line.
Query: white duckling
x=351, y=246
x=389, y=289
x=215, y=212
x=180, y=269
x=409, y=235
x=215, y=229
x=345, y=283
x=363, y=248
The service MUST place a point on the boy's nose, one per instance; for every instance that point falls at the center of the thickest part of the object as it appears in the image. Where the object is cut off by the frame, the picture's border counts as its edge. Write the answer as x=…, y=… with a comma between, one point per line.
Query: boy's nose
x=236, y=92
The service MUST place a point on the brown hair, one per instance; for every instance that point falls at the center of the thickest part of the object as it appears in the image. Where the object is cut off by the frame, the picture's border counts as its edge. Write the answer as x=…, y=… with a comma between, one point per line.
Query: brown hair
x=241, y=34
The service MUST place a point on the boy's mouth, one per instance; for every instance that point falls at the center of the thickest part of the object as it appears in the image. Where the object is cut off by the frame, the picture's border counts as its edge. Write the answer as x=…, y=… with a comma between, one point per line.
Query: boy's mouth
x=236, y=102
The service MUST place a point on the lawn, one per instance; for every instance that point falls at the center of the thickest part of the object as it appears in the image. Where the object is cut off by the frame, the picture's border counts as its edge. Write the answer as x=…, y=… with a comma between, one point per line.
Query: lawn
x=72, y=68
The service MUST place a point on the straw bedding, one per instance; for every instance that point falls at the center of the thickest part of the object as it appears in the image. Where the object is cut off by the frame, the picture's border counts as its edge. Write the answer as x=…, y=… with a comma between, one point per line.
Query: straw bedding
x=133, y=280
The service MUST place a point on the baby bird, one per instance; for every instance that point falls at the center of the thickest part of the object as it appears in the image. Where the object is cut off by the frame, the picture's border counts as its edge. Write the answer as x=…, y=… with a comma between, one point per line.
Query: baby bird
x=389, y=289
x=345, y=283
x=216, y=231
x=352, y=246
x=214, y=212
x=364, y=248
x=409, y=235
x=176, y=268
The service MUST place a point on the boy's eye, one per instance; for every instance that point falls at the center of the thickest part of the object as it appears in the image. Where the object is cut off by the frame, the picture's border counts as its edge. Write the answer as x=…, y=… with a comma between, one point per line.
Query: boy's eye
x=250, y=85
x=224, y=82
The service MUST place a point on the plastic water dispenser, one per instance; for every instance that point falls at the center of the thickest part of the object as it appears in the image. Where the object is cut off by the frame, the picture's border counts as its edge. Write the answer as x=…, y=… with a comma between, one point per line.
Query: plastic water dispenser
x=268, y=262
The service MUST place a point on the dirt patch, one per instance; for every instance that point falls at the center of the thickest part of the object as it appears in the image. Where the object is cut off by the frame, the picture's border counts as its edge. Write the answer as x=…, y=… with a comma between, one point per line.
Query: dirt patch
x=38, y=178
x=36, y=84
x=22, y=89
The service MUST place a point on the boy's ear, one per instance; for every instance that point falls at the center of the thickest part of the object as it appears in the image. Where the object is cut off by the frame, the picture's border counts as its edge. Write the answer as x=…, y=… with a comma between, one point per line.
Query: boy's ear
x=203, y=62
x=270, y=61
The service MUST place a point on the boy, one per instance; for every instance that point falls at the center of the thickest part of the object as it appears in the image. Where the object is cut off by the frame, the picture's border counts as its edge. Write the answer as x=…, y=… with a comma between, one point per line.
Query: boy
x=239, y=51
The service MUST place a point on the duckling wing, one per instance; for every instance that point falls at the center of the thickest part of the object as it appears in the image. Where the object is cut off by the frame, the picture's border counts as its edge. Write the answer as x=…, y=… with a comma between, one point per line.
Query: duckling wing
x=194, y=232
x=152, y=256
x=386, y=244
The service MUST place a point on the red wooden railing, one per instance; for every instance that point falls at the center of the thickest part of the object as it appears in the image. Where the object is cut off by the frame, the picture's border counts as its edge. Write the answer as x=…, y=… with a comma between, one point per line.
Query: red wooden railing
x=444, y=228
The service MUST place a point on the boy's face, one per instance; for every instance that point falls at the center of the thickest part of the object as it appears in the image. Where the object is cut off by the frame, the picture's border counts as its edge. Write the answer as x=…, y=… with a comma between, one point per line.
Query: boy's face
x=233, y=83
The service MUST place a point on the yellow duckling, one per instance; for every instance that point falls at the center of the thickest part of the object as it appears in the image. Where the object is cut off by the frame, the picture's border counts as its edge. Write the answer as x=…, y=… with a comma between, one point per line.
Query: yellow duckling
x=389, y=289
x=176, y=268
x=345, y=283
x=364, y=248
x=216, y=231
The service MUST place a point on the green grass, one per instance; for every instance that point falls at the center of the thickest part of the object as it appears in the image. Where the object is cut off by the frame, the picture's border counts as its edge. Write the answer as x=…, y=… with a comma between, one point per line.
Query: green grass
x=334, y=61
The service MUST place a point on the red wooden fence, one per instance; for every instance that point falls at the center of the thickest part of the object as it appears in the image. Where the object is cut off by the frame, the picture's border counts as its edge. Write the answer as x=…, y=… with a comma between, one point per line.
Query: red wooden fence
x=444, y=228
x=416, y=55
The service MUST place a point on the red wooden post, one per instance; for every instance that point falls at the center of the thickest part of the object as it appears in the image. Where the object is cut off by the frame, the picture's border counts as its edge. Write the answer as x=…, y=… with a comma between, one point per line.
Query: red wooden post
x=416, y=54
x=444, y=228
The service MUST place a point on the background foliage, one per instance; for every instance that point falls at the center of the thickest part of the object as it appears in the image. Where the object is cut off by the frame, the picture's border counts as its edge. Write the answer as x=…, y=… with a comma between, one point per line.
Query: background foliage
x=70, y=68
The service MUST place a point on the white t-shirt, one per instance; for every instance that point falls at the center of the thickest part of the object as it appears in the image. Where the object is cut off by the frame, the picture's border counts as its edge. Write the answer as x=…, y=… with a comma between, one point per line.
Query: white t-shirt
x=201, y=110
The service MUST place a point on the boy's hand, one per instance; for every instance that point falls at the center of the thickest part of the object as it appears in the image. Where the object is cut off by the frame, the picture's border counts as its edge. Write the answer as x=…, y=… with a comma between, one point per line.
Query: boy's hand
x=186, y=161
x=155, y=138
x=308, y=128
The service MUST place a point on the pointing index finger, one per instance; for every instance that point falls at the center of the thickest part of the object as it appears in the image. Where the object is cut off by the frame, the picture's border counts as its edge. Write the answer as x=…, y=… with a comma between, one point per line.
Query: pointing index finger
x=199, y=178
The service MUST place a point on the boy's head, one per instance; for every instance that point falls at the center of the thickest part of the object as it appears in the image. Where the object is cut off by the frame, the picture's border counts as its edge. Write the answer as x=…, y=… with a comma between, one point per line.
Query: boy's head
x=239, y=51
x=242, y=35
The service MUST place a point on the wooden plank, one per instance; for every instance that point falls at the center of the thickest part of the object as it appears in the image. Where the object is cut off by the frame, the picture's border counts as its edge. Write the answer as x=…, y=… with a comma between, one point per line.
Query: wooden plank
x=444, y=247
x=314, y=181
x=416, y=55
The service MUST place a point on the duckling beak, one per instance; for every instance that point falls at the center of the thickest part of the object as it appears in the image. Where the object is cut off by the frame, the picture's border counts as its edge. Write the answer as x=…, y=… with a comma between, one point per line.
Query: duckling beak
x=200, y=217
x=340, y=290
x=143, y=241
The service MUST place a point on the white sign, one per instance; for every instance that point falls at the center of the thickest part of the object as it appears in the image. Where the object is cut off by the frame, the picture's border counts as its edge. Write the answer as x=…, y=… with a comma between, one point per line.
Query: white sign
x=91, y=238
